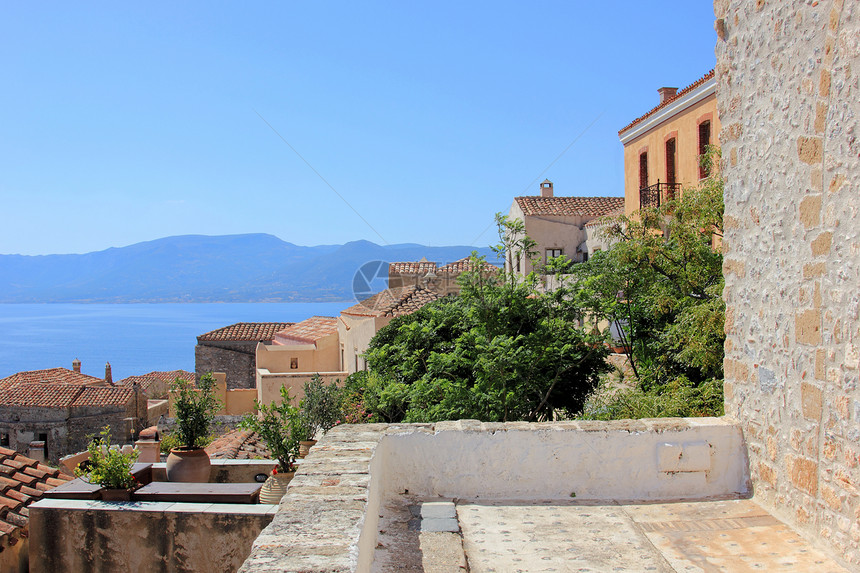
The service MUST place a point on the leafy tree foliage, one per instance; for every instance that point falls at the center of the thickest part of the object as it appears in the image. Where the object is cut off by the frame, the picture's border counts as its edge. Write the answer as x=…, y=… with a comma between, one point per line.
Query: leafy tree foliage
x=499, y=351
x=662, y=283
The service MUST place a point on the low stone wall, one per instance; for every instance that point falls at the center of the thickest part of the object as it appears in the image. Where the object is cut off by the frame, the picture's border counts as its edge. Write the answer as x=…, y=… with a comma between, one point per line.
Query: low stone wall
x=328, y=520
x=96, y=536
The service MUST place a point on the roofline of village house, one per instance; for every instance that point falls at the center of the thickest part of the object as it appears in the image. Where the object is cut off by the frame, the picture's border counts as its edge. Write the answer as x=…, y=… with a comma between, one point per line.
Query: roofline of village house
x=696, y=95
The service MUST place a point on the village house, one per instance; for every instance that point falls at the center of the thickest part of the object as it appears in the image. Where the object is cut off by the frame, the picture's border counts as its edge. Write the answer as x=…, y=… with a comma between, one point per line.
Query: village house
x=232, y=350
x=662, y=147
x=358, y=324
x=557, y=225
x=295, y=354
x=50, y=413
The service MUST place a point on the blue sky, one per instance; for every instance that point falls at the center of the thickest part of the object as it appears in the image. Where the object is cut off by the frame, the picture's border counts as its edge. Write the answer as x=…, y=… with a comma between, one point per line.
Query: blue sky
x=123, y=123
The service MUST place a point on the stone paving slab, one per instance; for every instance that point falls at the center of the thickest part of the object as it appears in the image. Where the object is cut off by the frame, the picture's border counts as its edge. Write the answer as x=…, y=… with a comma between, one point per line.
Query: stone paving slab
x=696, y=537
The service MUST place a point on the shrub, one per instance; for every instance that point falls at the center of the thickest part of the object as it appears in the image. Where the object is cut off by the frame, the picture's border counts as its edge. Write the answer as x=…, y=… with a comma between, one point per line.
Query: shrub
x=108, y=466
x=195, y=409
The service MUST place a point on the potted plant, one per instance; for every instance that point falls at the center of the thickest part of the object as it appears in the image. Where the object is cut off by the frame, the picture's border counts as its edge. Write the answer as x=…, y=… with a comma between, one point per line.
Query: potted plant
x=109, y=467
x=281, y=428
x=320, y=409
x=194, y=409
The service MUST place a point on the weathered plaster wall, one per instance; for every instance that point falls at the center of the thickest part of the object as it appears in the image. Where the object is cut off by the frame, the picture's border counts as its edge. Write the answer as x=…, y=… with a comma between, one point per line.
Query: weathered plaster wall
x=355, y=334
x=94, y=536
x=789, y=103
x=269, y=384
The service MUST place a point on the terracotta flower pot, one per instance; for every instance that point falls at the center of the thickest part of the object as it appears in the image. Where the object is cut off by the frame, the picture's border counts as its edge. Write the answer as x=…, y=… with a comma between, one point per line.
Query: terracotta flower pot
x=188, y=465
x=305, y=447
x=275, y=487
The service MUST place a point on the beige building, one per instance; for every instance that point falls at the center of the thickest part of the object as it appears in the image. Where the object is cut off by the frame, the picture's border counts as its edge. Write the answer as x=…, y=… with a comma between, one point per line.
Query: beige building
x=358, y=324
x=295, y=354
x=442, y=279
x=662, y=147
x=232, y=350
x=557, y=225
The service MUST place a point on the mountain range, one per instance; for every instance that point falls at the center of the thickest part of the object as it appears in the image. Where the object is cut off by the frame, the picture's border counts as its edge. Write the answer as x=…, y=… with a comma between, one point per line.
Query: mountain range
x=199, y=268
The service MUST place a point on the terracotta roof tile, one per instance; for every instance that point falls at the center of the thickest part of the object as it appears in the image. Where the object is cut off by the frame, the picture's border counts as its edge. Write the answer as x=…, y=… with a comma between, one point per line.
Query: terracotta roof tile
x=104, y=396
x=19, y=490
x=394, y=302
x=307, y=331
x=582, y=206
x=245, y=332
x=466, y=265
x=416, y=267
x=49, y=376
x=41, y=395
x=147, y=380
x=680, y=94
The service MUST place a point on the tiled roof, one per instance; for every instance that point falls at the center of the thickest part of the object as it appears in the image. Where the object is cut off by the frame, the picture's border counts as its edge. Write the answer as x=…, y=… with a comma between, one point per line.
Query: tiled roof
x=465, y=264
x=103, y=396
x=41, y=395
x=680, y=94
x=394, y=302
x=245, y=332
x=582, y=206
x=146, y=380
x=308, y=331
x=64, y=395
x=238, y=444
x=49, y=376
x=22, y=481
x=413, y=268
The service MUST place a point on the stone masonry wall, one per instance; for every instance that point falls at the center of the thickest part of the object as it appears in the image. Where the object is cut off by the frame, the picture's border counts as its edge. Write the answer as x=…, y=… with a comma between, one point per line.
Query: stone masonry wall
x=238, y=360
x=787, y=88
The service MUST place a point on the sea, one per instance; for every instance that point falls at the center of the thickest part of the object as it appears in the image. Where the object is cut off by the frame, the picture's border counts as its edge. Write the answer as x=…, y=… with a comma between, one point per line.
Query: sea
x=134, y=338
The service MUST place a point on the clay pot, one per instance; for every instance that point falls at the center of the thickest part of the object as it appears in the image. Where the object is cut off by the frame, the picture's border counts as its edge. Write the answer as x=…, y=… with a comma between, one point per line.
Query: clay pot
x=188, y=465
x=116, y=494
x=305, y=447
x=275, y=487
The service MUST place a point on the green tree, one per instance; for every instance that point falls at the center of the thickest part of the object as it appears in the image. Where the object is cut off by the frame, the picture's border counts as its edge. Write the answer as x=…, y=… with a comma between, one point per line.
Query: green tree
x=499, y=351
x=662, y=282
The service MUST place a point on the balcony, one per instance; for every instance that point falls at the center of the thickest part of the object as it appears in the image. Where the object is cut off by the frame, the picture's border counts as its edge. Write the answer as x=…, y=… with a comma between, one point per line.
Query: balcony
x=654, y=195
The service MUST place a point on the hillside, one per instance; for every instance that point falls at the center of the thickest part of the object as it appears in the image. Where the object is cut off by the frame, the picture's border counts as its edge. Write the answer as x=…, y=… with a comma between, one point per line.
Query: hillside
x=198, y=268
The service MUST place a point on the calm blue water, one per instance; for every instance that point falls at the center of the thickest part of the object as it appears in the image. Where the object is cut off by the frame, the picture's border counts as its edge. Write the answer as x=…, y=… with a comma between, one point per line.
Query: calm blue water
x=134, y=338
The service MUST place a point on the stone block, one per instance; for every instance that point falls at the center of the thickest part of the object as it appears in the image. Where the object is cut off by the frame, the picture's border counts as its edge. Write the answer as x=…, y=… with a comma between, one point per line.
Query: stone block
x=767, y=474
x=810, y=211
x=803, y=473
x=810, y=399
x=807, y=326
x=813, y=270
x=821, y=244
x=810, y=149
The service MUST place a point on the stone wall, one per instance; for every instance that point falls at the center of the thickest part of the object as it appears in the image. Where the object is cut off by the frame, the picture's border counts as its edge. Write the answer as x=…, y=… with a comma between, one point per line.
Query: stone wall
x=236, y=359
x=787, y=89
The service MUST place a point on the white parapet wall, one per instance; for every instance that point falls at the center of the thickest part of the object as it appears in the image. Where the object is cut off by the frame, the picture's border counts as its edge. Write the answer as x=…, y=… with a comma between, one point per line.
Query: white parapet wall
x=328, y=521
x=630, y=460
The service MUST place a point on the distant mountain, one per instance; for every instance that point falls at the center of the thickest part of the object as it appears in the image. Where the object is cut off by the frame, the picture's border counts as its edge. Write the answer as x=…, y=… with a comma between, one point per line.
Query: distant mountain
x=198, y=268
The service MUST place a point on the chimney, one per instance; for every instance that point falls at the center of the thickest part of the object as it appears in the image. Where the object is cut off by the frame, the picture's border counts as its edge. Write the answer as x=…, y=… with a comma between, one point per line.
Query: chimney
x=546, y=188
x=108, y=377
x=76, y=365
x=667, y=94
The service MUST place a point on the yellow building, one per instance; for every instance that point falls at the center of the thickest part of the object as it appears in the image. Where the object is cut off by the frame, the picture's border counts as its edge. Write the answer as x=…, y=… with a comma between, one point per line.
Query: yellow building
x=662, y=147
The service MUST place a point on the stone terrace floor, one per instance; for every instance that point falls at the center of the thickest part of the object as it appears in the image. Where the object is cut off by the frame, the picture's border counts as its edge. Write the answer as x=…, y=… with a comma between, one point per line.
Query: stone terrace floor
x=509, y=536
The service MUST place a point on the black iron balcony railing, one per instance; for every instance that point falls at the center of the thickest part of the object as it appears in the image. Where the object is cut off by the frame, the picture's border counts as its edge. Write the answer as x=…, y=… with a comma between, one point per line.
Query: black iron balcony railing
x=654, y=195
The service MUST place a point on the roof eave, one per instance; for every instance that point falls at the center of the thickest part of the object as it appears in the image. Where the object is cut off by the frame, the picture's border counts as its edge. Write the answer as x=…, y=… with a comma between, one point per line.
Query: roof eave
x=696, y=95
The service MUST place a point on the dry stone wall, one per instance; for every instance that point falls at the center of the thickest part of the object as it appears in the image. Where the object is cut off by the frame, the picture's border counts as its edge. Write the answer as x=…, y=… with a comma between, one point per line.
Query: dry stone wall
x=787, y=89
